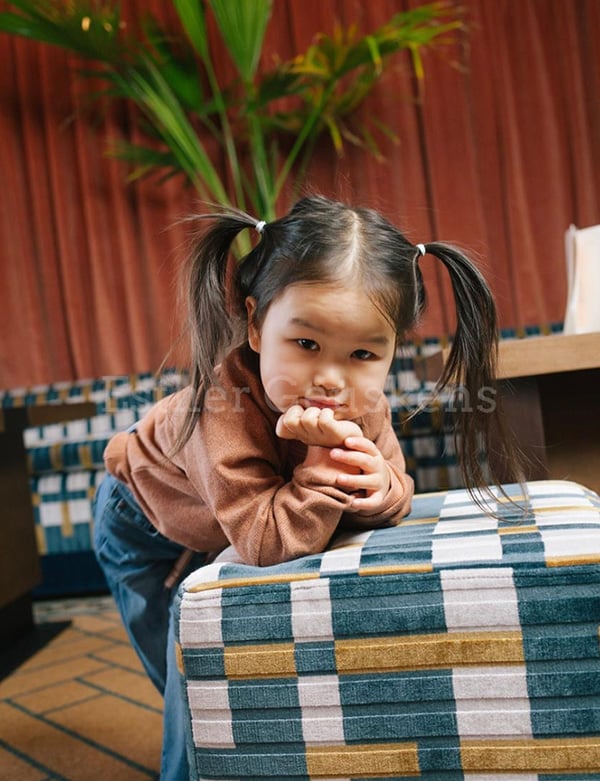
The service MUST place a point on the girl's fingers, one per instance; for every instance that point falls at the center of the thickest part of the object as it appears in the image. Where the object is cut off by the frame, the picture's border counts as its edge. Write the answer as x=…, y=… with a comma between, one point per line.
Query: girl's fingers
x=364, y=504
x=361, y=444
x=368, y=458
x=351, y=458
x=360, y=482
x=310, y=418
x=288, y=422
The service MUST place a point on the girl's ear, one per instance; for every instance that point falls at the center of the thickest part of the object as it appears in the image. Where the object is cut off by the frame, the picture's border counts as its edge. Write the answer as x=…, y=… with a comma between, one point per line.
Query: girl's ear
x=253, y=329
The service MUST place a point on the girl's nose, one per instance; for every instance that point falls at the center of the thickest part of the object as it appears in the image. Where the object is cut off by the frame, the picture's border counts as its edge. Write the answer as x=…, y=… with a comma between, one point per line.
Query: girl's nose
x=330, y=378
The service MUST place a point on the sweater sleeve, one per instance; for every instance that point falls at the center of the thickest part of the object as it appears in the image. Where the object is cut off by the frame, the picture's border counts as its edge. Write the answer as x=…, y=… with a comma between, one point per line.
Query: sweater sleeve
x=237, y=463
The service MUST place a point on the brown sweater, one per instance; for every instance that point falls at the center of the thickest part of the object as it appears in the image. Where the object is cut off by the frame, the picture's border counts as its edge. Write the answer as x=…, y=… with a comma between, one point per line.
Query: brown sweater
x=236, y=482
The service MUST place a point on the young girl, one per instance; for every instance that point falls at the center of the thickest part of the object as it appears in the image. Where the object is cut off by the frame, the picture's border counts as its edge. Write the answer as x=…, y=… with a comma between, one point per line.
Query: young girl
x=284, y=433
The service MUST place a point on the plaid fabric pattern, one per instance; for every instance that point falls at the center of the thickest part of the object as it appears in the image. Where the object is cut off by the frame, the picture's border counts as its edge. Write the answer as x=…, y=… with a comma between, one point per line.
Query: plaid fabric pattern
x=109, y=393
x=65, y=460
x=78, y=444
x=62, y=510
x=454, y=646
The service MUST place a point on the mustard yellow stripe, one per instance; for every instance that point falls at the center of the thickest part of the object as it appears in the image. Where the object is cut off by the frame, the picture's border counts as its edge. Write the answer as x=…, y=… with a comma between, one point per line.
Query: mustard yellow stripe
x=571, y=561
x=85, y=456
x=430, y=652
x=393, y=569
x=518, y=530
x=66, y=527
x=256, y=581
x=179, y=659
x=550, y=755
x=501, y=499
x=274, y=660
x=359, y=761
x=379, y=654
x=420, y=521
x=40, y=539
x=576, y=508
x=56, y=456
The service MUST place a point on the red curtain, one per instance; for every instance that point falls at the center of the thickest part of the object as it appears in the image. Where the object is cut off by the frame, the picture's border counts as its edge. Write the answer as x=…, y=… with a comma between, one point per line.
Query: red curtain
x=498, y=153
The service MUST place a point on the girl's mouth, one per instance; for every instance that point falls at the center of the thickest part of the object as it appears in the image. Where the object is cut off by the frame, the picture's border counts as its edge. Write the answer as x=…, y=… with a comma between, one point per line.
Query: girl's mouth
x=321, y=403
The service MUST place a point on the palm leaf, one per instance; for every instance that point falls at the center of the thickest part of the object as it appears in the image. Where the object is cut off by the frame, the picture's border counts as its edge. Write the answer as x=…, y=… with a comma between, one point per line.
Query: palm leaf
x=191, y=15
x=89, y=30
x=242, y=24
x=180, y=97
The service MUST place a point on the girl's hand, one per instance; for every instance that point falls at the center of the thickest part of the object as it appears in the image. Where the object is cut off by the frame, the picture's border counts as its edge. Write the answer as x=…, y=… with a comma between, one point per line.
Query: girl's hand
x=372, y=480
x=315, y=426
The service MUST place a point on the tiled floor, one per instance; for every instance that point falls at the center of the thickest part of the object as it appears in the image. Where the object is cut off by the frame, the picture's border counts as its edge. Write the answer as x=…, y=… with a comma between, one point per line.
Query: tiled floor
x=81, y=708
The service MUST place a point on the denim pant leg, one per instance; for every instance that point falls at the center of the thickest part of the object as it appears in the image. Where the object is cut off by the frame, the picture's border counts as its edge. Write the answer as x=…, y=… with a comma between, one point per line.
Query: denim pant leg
x=136, y=559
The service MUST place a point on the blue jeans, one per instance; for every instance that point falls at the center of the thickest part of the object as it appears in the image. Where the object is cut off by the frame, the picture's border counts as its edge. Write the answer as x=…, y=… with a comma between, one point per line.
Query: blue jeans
x=136, y=559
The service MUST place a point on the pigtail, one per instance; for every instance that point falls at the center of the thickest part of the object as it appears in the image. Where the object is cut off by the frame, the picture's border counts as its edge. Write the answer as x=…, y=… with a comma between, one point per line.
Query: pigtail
x=471, y=368
x=213, y=321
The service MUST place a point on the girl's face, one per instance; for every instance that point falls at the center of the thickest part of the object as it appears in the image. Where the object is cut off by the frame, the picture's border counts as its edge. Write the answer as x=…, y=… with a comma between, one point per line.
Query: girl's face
x=323, y=346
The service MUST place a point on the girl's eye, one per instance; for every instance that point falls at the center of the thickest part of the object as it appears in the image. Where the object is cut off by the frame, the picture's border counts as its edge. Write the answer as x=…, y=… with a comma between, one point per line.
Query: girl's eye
x=363, y=355
x=308, y=344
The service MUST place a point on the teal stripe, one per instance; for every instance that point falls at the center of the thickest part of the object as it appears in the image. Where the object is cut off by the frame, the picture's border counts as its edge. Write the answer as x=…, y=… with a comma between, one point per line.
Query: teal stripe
x=266, y=617
x=315, y=658
x=203, y=663
x=394, y=688
x=270, y=761
x=574, y=716
x=577, y=679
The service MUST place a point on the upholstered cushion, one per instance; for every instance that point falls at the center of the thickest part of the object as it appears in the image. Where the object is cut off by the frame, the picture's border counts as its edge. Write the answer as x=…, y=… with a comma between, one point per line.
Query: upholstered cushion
x=109, y=393
x=453, y=646
x=62, y=510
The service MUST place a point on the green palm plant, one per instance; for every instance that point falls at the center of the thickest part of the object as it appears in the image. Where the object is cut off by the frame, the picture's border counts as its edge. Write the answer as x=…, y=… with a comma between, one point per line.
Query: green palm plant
x=265, y=121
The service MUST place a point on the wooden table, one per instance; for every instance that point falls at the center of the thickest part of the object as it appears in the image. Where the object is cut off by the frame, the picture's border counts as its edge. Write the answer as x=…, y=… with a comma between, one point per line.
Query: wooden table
x=550, y=389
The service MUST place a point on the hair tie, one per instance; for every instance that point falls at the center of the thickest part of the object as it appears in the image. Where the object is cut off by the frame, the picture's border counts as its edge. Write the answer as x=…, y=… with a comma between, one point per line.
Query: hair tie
x=260, y=226
x=421, y=248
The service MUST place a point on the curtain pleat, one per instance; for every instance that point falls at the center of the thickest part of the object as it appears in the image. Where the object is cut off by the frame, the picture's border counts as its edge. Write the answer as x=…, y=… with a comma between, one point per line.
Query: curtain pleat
x=498, y=152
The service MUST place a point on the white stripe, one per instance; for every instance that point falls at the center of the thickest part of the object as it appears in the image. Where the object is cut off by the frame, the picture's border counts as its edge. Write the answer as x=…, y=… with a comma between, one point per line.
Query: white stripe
x=492, y=717
x=322, y=718
x=557, y=487
x=311, y=610
x=207, y=574
x=212, y=720
x=556, y=501
x=213, y=733
x=341, y=560
x=50, y=514
x=471, y=510
x=571, y=542
x=480, y=599
x=485, y=547
x=200, y=620
x=462, y=525
x=575, y=518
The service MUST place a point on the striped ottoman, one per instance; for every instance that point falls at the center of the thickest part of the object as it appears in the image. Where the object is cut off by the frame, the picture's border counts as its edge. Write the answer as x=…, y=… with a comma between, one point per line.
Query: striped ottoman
x=454, y=646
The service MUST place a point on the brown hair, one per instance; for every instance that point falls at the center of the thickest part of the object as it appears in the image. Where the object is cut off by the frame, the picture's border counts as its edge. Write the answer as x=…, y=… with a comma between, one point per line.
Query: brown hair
x=321, y=240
